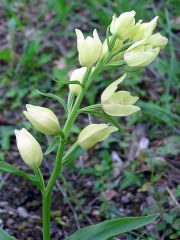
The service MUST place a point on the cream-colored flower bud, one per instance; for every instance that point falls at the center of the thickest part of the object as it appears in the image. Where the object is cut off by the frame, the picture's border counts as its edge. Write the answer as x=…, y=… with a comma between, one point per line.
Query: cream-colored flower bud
x=144, y=30
x=77, y=75
x=93, y=134
x=29, y=148
x=89, y=49
x=123, y=25
x=43, y=119
x=118, y=44
x=157, y=40
x=140, y=54
x=118, y=103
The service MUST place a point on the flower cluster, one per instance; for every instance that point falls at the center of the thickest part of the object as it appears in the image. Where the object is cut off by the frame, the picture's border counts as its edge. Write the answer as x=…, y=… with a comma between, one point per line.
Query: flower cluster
x=143, y=50
x=127, y=43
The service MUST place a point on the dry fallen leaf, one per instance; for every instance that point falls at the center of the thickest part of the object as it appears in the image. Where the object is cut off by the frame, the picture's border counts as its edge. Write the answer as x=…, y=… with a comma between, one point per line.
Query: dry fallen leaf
x=109, y=194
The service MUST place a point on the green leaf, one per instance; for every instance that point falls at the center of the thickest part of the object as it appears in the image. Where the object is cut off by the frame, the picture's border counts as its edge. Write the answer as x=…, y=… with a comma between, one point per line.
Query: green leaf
x=129, y=179
x=72, y=154
x=115, y=64
x=63, y=82
x=5, y=236
x=5, y=54
x=158, y=110
x=53, y=146
x=111, y=228
x=6, y=167
x=106, y=117
x=94, y=107
x=70, y=101
x=55, y=97
x=132, y=69
x=107, y=37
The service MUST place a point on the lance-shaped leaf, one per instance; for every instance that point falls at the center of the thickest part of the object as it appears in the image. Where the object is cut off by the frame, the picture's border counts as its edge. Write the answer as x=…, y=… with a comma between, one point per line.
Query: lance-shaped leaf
x=5, y=236
x=70, y=101
x=53, y=146
x=55, y=97
x=63, y=82
x=72, y=154
x=6, y=167
x=116, y=64
x=94, y=107
x=107, y=38
x=111, y=228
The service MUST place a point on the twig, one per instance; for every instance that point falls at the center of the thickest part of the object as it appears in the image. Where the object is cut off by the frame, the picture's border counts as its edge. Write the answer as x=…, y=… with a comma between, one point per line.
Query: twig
x=173, y=198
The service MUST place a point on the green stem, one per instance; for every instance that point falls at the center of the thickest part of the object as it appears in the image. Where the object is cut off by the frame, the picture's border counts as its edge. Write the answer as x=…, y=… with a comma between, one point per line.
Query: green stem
x=46, y=216
x=120, y=50
x=58, y=162
x=56, y=169
x=48, y=191
x=75, y=109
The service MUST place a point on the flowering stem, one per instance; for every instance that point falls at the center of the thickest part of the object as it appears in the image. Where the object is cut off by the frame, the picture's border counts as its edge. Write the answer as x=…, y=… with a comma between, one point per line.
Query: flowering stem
x=87, y=80
x=120, y=50
x=58, y=163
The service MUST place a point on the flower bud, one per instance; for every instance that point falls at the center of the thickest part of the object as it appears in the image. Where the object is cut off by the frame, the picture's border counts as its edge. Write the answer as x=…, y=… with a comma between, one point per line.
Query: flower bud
x=157, y=40
x=77, y=75
x=118, y=103
x=93, y=134
x=43, y=119
x=123, y=25
x=29, y=148
x=89, y=49
x=118, y=44
x=140, y=54
x=144, y=30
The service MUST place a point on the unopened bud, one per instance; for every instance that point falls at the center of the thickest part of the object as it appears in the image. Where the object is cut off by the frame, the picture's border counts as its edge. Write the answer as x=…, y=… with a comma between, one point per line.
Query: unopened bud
x=43, y=119
x=93, y=134
x=89, y=49
x=29, y=148
x=77, y=75
x=140, y=54
x=123, y=25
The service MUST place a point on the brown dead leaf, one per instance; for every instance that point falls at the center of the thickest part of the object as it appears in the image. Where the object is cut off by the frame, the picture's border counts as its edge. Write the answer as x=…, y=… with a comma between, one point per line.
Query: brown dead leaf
x=109, y=194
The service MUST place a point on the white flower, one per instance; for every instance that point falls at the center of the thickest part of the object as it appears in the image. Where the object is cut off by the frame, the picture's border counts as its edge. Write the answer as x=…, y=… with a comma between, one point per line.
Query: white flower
x=29, y=148
x=118, y=103
x=144, y=30
x=43, y=119
x=77, y=75
x=157, y=40
x=89, y=49
x=140, y=54
x=123, y=25
x=93, y=134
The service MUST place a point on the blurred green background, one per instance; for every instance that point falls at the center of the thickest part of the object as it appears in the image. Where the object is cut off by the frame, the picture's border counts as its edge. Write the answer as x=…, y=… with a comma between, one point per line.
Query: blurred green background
x=131, y=174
